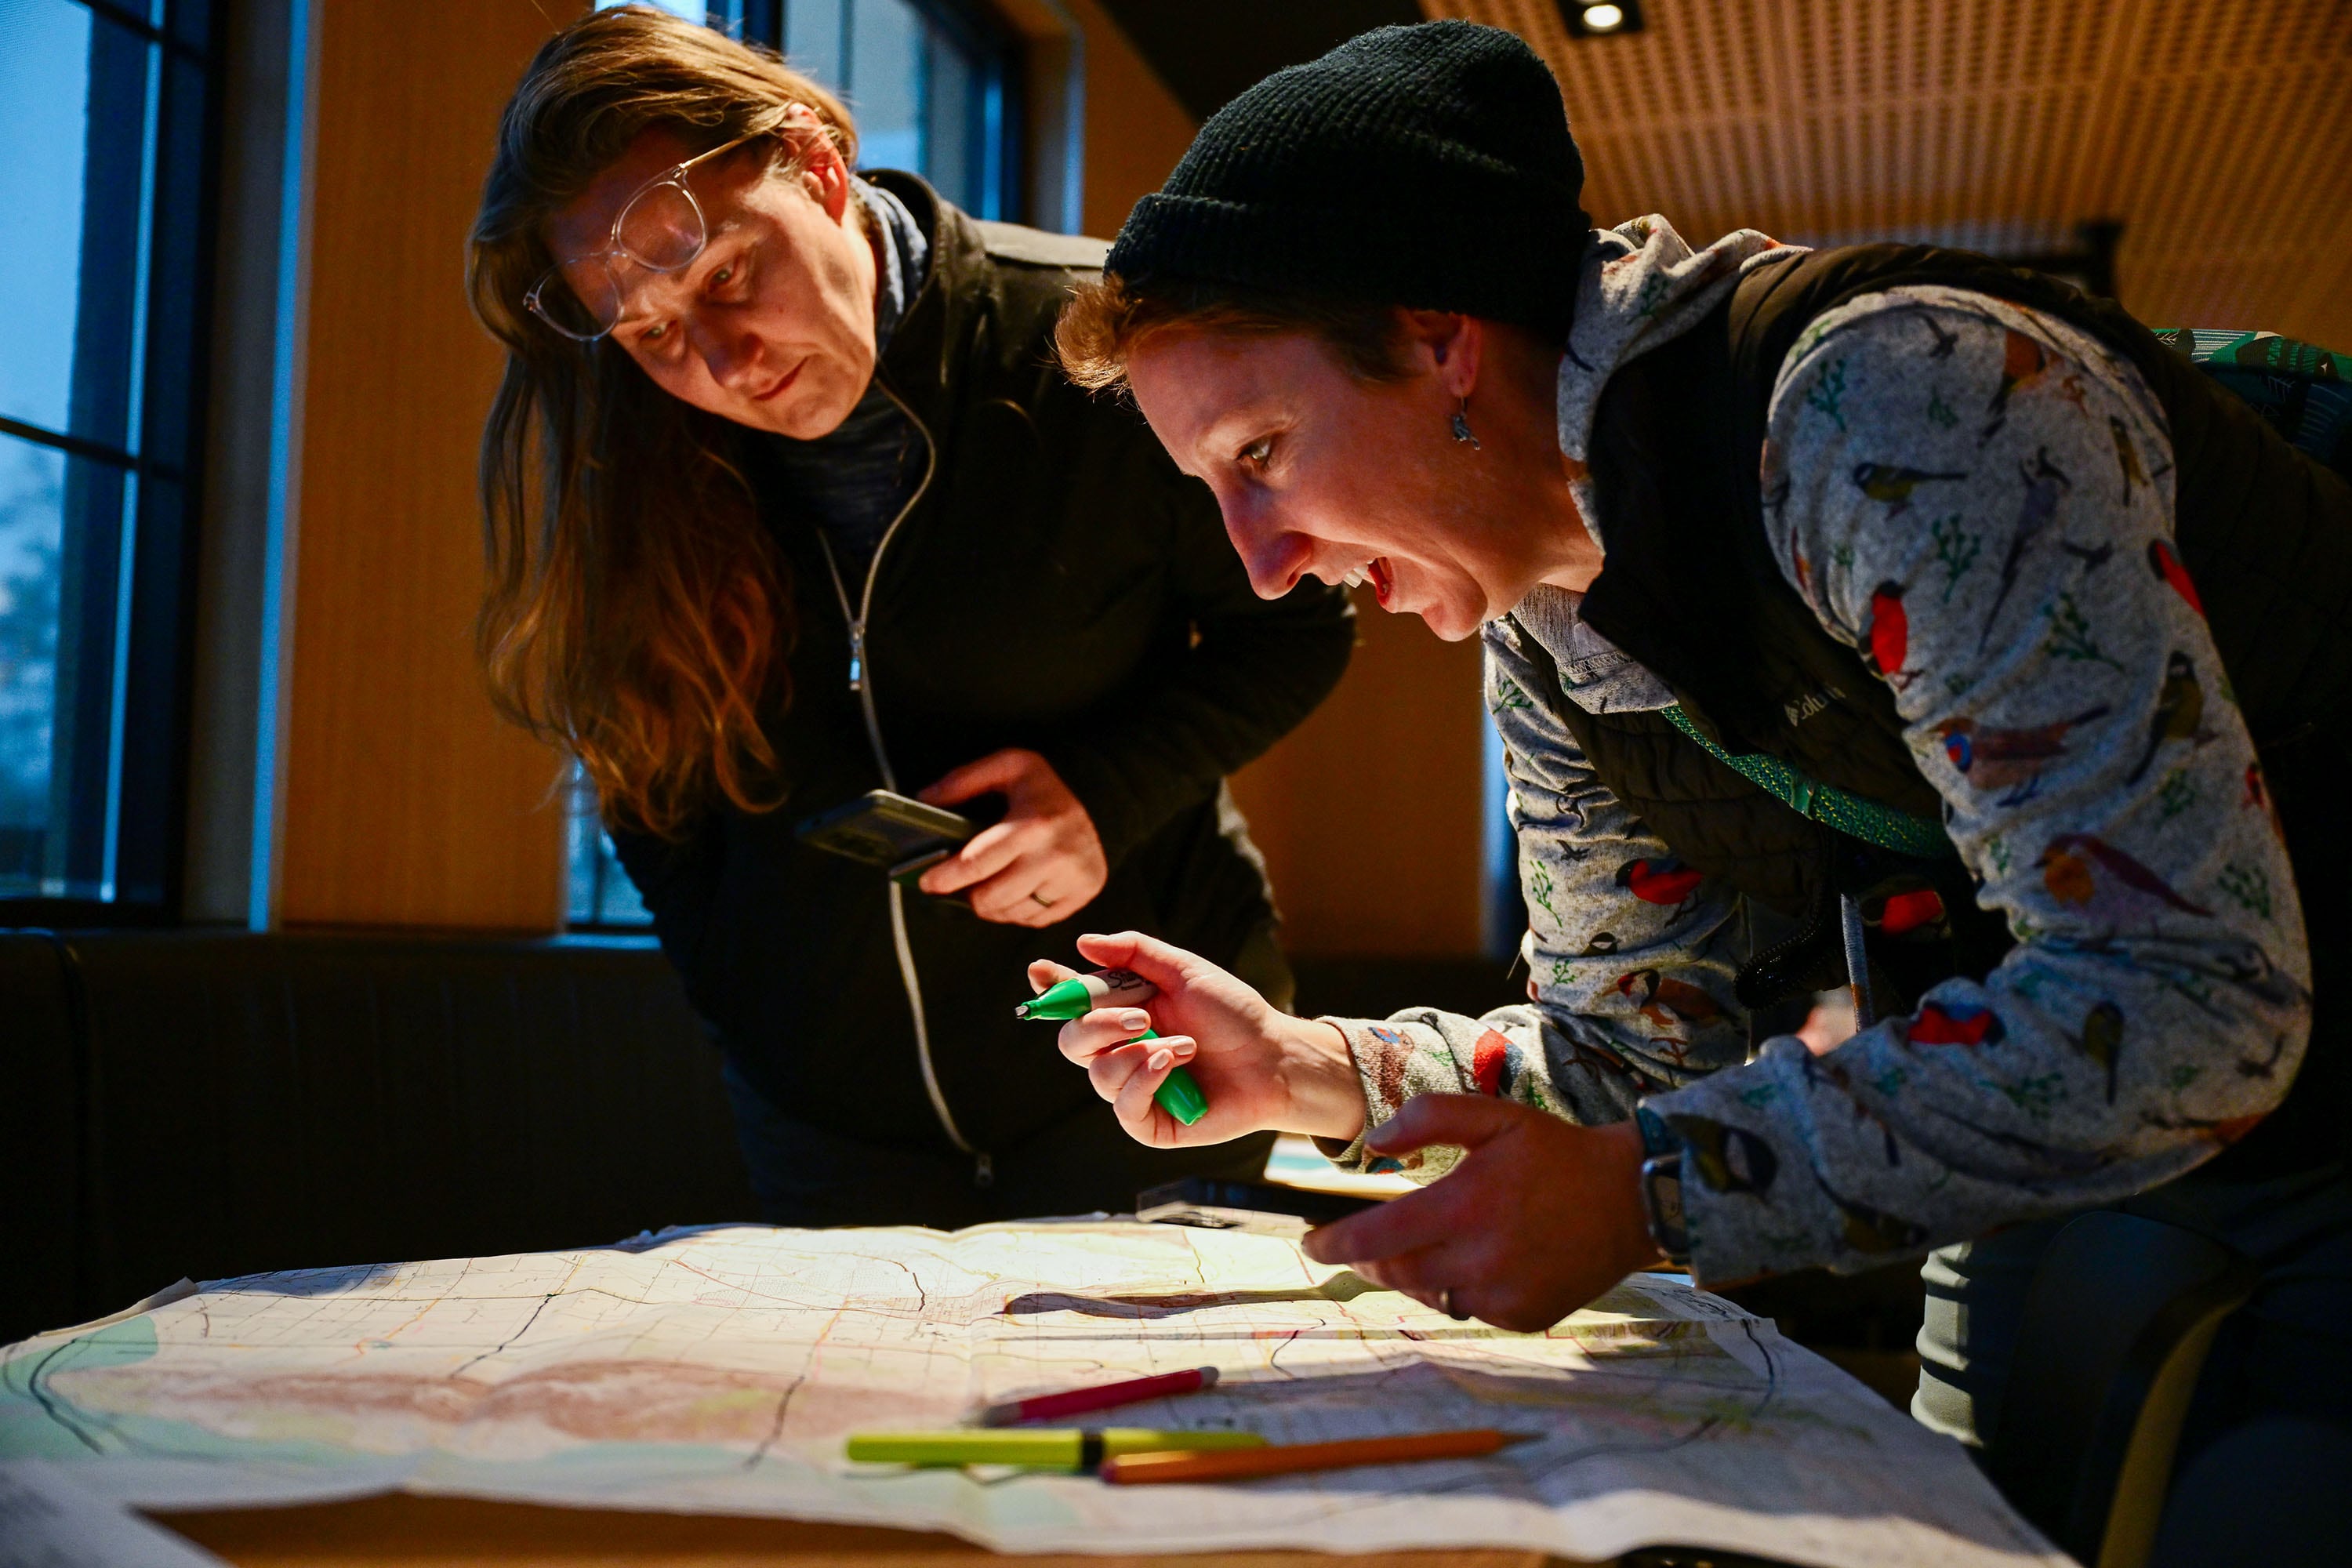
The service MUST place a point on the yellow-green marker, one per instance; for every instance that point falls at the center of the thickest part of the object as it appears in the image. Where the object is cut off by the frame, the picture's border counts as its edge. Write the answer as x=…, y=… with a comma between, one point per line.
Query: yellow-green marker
x=1063, y=1449
x=1178, y=1093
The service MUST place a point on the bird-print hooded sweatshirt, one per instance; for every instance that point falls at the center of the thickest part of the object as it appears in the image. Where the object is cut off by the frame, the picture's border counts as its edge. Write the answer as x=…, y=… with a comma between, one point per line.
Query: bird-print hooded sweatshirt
x=1979, y=502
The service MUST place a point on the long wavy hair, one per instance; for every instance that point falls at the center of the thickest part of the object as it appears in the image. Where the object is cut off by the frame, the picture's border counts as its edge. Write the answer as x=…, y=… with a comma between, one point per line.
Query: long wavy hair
x=637, y=615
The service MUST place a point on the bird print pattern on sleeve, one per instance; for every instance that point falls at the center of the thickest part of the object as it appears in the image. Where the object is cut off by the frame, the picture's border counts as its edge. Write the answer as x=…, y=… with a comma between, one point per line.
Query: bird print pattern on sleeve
x=1984, y=511
x=1629, y=953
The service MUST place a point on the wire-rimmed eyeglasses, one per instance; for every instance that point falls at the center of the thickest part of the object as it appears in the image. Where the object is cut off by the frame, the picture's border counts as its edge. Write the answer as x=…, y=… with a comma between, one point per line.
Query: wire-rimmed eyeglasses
x=660, y=228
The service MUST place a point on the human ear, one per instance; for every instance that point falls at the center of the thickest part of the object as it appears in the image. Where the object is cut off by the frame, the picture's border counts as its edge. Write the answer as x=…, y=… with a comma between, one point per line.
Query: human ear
x=825, y=176
x=1454, y=346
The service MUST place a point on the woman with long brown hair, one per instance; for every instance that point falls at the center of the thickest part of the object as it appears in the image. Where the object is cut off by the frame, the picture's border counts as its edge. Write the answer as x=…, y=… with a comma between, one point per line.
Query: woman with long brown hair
x=785, y=502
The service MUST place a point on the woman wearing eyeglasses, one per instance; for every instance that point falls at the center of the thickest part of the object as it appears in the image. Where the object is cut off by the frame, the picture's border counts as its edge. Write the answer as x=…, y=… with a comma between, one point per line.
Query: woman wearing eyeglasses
x=785, y=502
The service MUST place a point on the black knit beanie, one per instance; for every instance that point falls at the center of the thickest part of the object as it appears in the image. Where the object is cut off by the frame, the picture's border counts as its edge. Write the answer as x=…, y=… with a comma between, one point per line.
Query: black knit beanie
x=1428, y=166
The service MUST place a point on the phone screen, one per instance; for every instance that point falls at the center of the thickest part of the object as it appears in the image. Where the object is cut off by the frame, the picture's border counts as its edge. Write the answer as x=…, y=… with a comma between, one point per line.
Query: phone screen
x=888, y=831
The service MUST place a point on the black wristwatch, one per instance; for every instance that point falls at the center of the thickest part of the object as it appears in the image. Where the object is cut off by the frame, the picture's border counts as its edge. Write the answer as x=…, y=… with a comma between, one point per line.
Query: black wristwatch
x=1662, y=1185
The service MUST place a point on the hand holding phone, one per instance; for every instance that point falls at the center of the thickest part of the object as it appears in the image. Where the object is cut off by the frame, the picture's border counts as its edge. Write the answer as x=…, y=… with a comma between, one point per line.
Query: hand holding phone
x=898, y=835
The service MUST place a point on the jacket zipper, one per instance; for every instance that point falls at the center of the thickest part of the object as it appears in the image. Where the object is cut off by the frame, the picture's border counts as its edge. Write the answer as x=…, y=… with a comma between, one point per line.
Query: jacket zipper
x=861, y=682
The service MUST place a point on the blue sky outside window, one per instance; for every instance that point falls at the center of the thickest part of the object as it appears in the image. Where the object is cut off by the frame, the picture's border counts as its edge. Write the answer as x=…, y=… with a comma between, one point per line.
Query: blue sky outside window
x=105, y=105
x=44, y=82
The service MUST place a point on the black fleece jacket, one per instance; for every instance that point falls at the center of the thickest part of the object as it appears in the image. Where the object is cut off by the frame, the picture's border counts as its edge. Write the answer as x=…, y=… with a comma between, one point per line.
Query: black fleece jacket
x=1058, y=586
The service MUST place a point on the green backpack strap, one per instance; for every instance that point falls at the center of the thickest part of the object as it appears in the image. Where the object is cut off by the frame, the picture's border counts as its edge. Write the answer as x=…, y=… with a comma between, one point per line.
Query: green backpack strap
x=2304, y=391
x=1825, y=804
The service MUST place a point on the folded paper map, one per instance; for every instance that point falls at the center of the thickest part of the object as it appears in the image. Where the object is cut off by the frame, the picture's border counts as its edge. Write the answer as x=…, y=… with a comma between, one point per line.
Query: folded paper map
x=720, y=1370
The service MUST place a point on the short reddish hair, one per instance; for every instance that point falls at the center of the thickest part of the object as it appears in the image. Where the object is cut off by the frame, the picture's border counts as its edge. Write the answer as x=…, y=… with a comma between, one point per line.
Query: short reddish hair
x=1104, y=322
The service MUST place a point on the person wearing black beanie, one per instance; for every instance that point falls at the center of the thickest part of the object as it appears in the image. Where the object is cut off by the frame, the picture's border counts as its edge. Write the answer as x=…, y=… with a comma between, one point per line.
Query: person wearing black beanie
x=1429, y=166
x=1922, y=607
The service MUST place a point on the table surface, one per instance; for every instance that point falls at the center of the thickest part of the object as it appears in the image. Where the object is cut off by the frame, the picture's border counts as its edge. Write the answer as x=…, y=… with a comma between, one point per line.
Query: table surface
x=402, y=1531
x=405, y=1532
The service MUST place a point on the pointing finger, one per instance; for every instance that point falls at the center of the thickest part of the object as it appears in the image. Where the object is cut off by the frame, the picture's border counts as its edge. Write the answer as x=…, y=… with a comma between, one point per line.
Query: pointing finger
x=1407, y=1224
x=989, y=851
x=1464, y=1121
x=1164, y=964
x=1423, y=1273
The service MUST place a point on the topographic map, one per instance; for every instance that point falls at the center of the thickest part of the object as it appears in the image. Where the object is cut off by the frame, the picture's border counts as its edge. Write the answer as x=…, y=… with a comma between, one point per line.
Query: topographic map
x=718, y=1370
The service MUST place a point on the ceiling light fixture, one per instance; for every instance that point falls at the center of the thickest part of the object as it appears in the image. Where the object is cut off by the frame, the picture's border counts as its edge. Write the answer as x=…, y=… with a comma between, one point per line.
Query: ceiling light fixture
x=1601, y=21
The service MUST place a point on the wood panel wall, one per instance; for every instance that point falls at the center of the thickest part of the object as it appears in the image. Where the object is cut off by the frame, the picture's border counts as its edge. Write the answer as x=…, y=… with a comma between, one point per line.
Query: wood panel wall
x=1370, y=813
x=1135, y=128
x=407, y=802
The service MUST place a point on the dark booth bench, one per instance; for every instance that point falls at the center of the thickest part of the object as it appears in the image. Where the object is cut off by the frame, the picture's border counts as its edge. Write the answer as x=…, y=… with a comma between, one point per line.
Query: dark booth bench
x=210, y=1104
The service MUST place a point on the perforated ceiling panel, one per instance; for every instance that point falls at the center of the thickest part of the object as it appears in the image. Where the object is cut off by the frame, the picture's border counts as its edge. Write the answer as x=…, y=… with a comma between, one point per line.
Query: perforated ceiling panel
x=2219, y=132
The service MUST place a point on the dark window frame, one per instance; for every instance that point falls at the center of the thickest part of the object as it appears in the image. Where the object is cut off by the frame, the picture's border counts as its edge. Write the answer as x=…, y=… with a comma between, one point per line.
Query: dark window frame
x=999, y=51
x=985, y=37
x=149, y=813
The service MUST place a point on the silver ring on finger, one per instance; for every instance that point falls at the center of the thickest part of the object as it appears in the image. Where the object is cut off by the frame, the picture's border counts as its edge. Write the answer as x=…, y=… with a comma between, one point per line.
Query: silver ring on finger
x=1445, y=1305
x=1041, y=900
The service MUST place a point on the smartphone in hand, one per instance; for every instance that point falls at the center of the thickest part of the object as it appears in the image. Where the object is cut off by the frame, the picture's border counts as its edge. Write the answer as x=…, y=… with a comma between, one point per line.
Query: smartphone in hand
x=893, y=832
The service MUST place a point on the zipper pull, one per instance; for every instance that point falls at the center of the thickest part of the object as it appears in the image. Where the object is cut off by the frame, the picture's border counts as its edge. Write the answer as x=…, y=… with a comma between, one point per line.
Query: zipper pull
x=857, y=655
x=983, y=1170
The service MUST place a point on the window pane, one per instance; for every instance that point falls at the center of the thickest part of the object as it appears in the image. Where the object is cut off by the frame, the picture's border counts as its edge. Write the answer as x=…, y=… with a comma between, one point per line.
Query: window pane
x=600, y=893
x=692, y=10
x=61, y=668
x=44, y=90
x=71, y=210
x=32, y=517
x=813, y=37
x=885, y=83
x=952, y=139
x=91, y=642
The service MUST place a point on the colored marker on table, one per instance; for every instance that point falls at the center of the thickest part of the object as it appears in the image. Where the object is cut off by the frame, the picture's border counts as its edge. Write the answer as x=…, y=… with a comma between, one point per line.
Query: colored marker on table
x=1178, y=1093
x=1290, y=1459
x=1061, y=1449
x=1102, y=1396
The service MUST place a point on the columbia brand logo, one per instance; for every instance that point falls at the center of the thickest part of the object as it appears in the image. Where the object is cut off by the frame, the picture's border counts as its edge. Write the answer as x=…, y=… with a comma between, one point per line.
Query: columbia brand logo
x=1810, y=703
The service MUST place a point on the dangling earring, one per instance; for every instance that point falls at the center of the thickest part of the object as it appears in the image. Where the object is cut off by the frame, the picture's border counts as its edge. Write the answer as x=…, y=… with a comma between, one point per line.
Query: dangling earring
x=1461, y=426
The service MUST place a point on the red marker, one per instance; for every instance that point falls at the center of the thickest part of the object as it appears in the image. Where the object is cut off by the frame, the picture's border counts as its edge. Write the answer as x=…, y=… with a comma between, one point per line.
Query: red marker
x=1079, y=1401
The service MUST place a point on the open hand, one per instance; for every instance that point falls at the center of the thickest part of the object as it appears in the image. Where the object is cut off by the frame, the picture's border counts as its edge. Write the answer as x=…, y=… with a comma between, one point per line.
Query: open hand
x=1260, y=1068
x=1041, y=864
x=1540, y=1217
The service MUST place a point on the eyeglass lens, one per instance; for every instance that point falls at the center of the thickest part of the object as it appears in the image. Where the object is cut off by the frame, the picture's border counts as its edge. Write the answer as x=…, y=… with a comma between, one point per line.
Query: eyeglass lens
x=661, y=231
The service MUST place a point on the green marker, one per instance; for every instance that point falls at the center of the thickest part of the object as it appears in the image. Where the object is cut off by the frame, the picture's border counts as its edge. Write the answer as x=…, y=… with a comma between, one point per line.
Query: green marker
x=1050, y=1450
x=1179, y=1095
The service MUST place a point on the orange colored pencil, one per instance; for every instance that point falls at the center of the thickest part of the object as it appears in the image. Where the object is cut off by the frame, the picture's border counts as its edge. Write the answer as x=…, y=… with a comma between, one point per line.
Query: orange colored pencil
x=1282, y=1459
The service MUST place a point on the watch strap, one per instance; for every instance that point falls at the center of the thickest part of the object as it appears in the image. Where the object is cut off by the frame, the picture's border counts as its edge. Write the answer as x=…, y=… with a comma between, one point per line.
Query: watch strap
x=1662, y=1184
x=1657, y=1138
